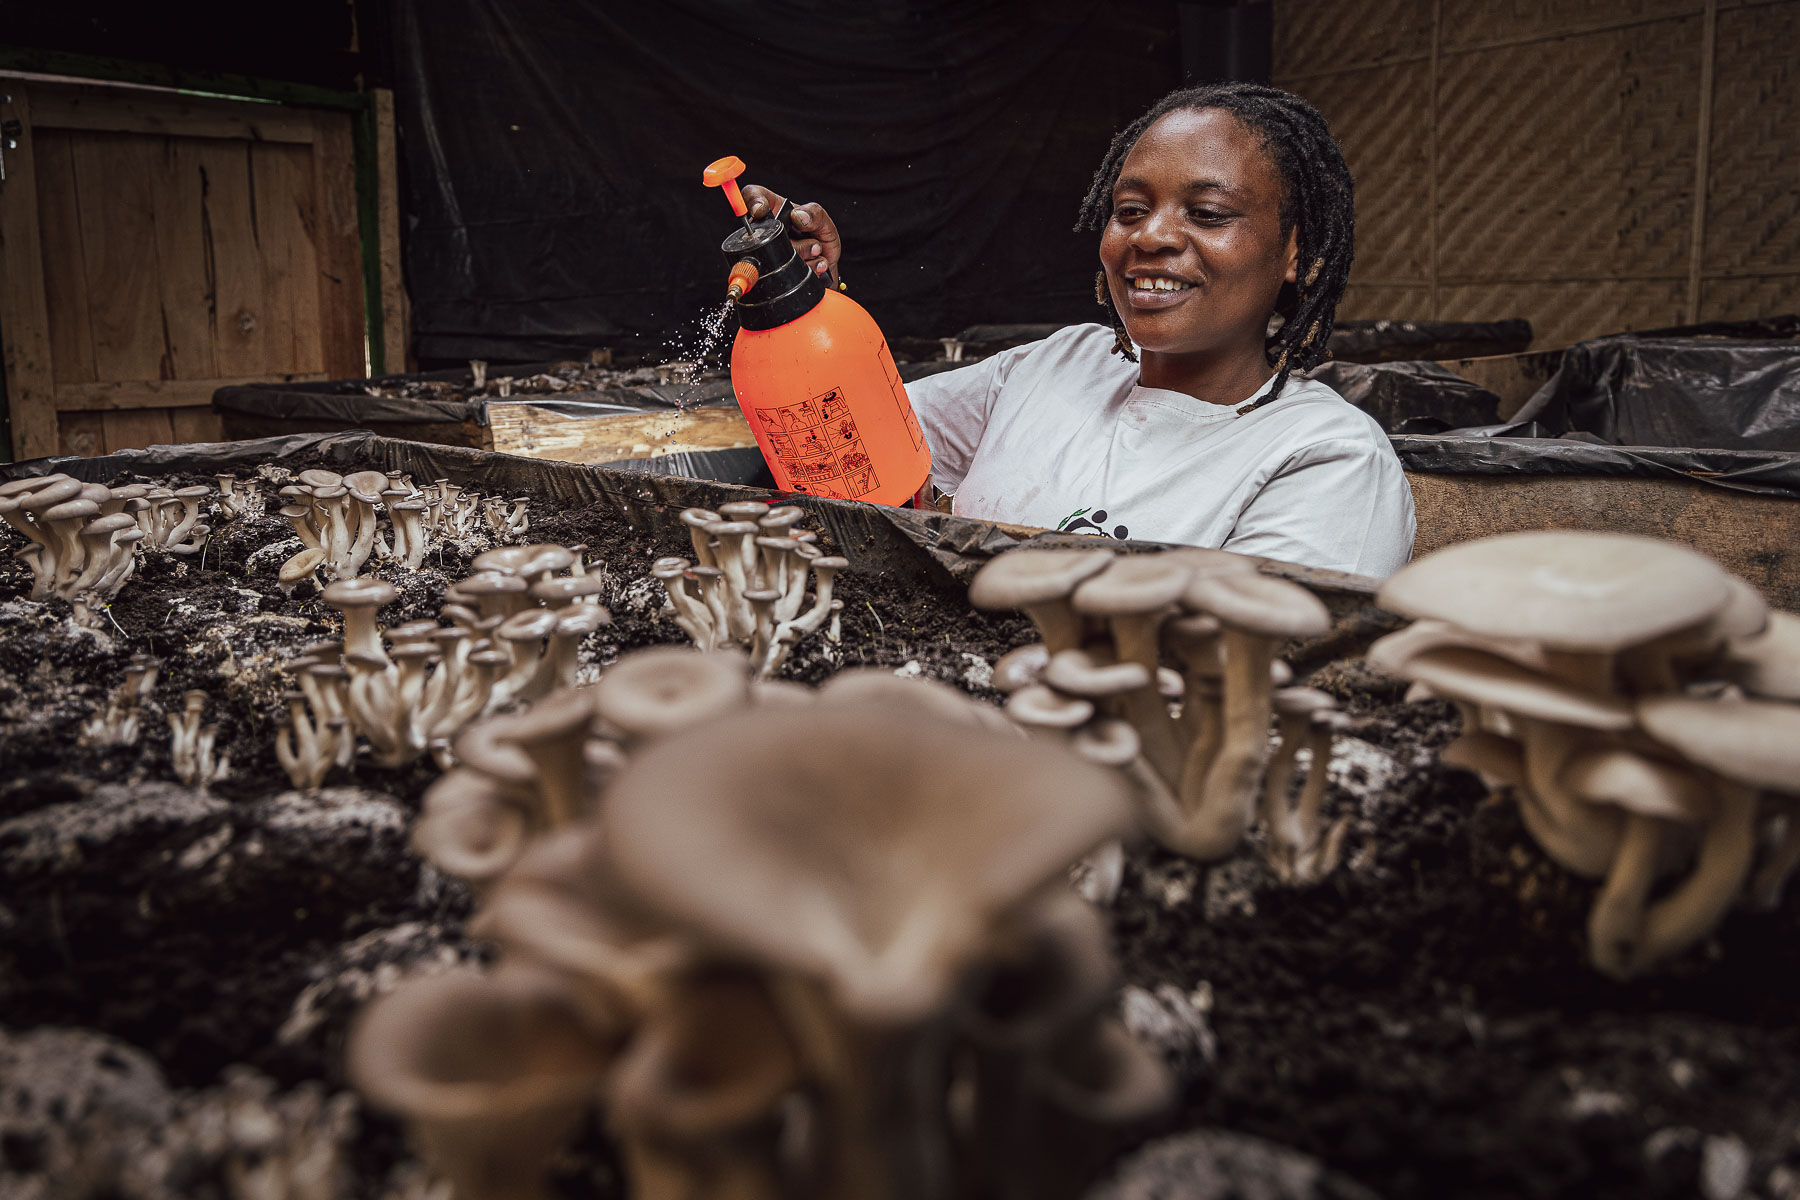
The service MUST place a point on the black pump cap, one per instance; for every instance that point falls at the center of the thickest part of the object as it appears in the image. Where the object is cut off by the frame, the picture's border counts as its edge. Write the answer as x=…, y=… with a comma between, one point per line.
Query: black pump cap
x=786, y=288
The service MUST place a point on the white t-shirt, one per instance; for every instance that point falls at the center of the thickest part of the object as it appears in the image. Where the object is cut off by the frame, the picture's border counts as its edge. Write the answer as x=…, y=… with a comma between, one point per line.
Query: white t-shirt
x=1058, y=434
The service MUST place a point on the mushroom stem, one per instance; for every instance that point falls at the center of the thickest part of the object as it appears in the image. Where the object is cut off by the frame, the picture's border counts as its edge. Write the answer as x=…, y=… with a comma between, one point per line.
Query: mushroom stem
x=1581, y=836
x=1218, y=797
x=1688, y=913
x=1616, y=923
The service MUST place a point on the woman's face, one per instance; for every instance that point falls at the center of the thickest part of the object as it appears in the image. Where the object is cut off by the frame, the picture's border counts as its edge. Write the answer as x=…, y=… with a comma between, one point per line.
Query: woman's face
x=1193, y=252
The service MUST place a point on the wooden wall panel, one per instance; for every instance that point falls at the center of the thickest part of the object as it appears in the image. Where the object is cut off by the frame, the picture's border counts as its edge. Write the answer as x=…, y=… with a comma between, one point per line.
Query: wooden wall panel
x=184, y=259
x=79, y=433
x=339, y=249
x=118, y=250
x=65, y=274
x=1563, y=142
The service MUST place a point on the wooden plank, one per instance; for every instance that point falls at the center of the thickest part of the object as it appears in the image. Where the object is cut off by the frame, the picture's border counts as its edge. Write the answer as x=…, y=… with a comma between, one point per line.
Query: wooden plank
x=339, y=247
x=520, y=428
x=184, y=266
x=124, y=395
x=127, y=110
x=118, y=245
x=196, y=425
x=239, y=335
x=1755, y=536
x=301, y=207
x=24, y=312
x=137, y=429
x=396, y=335
x=271, y=168
x=80, y=433
x=65, y=274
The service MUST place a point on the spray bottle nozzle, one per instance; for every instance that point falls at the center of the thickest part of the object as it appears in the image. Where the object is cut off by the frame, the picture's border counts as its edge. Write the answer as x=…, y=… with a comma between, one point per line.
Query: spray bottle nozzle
x=743, y=277
x=723, y=173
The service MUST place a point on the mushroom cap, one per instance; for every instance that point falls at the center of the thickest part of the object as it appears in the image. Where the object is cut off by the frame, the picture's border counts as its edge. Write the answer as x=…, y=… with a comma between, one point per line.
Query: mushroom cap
x=101, y=526
x=1108, y=742
x=1572, y=590
x=486, y=583
x=822, y=840
x=1617, y=776
x=331, y=494
x=1462, y=673
x=1029, y=576
x=505, y=1055
x=782, y=517
x=699, y=518
x=300, y=566
x=563, y=588
x=825, y=564
x=198, y=491
x=562, y=714
x=1258, y=604
x=1768, y=664
x=547, y=558
x=1132, y=584
x=528, y=625
x=931, y=695
x=488, y=747
x=1393, y=652
x=369, y=484
x=70, y=510
x=1199, y=559
x=361, y=592
x=1751, y=741
x=762, y=596
x=58, y=491
x=1039, y=706
x=318, y=478
x=1082, y=673
x=670, y=566
x=1302, y=701
x=20, y=487
x=744, y=510
x=412, y=631
x=1020, y=666
x=734, y=529
x=669, y=688
x=581, y=620
x=505, y=559
x=99, y=493
x=292, y=512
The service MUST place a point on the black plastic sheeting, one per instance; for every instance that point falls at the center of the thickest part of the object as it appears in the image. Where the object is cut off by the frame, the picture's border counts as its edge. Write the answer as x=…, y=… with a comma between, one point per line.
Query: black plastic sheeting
x=1394, y=341
x=552, y=150
x=1411, y=397
x=1637, y=391
x=347, y=401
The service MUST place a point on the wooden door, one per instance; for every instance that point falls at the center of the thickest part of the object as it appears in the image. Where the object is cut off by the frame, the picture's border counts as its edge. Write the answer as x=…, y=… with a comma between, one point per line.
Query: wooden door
x=155, y=247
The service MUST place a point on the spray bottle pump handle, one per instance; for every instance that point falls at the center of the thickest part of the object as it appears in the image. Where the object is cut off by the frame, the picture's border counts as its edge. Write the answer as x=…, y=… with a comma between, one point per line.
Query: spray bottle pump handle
x=723, y=174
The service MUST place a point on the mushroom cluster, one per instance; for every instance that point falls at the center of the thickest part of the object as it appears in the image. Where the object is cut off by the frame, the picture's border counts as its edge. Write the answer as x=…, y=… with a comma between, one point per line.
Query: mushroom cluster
x=118, y=723
x=784, y=951
x=1194, y=739
x=1639, y=704
x=514, y=634
x=82, y=538
x=747, y=583
x=191, y=744
x=338, y=520
x=238, y=498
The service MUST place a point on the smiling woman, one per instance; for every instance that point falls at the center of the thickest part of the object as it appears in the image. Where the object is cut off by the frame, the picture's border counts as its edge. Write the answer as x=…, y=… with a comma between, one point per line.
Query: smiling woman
x=1226, y=233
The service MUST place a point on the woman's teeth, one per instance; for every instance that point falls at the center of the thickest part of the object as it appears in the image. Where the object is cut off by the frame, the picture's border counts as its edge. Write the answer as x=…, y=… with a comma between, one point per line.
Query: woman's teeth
x=1159, y=285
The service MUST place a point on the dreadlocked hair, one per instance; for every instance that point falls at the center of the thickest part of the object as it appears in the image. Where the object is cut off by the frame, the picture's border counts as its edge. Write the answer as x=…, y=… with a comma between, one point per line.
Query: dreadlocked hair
x=1316, y=195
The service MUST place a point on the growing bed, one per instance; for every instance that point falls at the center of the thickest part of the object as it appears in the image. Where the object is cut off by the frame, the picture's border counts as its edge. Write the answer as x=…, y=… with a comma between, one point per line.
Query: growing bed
x=177, y=969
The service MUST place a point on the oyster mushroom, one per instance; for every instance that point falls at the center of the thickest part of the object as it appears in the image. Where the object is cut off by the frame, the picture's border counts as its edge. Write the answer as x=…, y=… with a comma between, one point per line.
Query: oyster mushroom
x=1040, y=583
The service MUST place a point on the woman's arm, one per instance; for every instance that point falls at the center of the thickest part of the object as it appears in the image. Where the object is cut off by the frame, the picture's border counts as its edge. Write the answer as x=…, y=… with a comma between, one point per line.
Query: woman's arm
x=1343, y=504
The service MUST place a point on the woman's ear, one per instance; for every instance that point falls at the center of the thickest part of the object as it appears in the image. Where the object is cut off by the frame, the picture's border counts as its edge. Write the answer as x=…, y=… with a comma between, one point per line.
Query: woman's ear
x=1293, y=255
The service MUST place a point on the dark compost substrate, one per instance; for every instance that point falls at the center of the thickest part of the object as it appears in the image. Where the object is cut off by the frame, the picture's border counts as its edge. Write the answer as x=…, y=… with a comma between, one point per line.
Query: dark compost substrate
x=178, y=969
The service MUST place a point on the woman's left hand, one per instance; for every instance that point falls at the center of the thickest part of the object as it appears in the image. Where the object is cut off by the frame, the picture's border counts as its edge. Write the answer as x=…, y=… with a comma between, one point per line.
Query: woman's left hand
x=810, y=229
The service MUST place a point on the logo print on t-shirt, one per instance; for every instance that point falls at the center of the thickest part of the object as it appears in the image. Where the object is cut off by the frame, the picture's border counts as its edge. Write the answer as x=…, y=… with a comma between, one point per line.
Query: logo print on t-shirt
x=1086, y=520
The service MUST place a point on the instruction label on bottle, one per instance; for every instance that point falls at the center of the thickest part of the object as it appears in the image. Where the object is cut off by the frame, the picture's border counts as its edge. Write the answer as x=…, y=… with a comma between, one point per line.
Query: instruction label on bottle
x=819, y=447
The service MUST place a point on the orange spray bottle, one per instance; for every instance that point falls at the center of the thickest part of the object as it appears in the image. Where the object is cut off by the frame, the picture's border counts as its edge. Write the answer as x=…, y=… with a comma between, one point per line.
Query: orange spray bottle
x=813, y=372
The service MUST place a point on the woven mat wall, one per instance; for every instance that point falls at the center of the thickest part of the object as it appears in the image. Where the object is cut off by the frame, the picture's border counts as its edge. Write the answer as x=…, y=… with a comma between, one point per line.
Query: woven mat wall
x=1541, y=158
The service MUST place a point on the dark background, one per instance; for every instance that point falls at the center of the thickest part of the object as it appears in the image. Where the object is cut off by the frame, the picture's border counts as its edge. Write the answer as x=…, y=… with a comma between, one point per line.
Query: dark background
x=551, y=149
